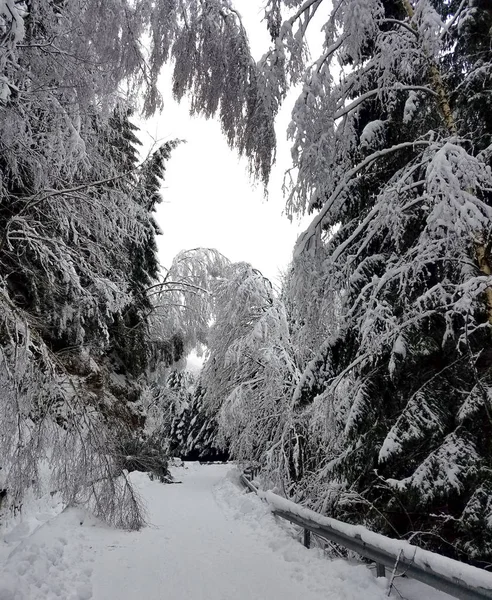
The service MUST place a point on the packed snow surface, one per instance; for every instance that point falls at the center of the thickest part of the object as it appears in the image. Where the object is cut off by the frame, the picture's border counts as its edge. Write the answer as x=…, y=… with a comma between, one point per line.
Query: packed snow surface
x=206, y=539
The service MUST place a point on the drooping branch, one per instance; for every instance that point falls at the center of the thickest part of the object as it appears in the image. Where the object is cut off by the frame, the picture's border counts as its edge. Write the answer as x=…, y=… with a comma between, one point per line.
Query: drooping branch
x=371, y=93
x=316, y=224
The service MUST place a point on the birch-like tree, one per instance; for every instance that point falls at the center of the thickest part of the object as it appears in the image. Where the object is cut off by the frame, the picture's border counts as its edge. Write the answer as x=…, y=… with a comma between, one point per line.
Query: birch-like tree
x=250, y=371
x=183, y=307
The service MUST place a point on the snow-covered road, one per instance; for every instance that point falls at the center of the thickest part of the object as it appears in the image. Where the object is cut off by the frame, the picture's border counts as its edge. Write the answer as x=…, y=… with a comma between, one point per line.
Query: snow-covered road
x=202, y=546
x=206, y=540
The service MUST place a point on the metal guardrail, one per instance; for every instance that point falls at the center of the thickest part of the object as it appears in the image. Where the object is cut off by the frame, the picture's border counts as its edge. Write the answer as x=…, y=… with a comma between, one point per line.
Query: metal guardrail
x=423, y=572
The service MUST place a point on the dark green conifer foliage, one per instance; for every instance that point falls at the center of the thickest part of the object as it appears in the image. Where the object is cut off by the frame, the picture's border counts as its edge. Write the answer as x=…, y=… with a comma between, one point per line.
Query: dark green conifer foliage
x=193, y=429
x=394, y=410
x=199, y=439
x=76, y=264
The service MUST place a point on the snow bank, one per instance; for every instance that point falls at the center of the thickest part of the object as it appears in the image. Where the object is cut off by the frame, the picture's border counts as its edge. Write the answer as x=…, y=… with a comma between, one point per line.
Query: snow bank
x=51, y=563
x=34, y=514
x=206, y=539
x=335, y=579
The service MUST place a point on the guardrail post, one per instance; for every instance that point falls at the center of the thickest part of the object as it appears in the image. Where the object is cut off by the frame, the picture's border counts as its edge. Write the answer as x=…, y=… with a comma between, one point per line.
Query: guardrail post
x=307, y=538
x=381, y=554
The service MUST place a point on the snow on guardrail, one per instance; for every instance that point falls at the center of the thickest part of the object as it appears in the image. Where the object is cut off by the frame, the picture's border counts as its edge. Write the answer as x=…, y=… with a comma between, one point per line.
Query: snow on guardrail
x=451, y=576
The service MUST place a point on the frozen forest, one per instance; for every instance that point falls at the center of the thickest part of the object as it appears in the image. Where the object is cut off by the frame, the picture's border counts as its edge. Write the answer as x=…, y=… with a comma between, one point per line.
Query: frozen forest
x=362, y=388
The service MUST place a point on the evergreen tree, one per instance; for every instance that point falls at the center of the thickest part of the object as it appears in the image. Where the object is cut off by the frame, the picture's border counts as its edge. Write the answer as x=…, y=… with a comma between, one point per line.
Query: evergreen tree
x=77, y=237
x=203, y=441
x=394, y=162
x=180, y=384
x=391, y=150
x=73, y=217
x=192, y=432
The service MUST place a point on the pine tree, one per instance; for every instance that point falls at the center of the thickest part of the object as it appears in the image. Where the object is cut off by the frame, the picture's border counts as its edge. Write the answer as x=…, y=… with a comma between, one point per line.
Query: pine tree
x=391, y=150
x=394, y=163
x=203, y=441
x=72, y=217
x=77, y=236
x=180, y=384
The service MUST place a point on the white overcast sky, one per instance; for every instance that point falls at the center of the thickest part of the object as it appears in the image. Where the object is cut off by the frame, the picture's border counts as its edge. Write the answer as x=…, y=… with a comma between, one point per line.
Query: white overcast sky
x=208, y=198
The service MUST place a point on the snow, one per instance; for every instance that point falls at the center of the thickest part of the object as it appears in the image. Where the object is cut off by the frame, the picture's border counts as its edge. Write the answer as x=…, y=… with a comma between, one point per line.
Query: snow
x=205, y=539
x=54, y=562
x=437, y=563
x=372, y=133
x=411, y=106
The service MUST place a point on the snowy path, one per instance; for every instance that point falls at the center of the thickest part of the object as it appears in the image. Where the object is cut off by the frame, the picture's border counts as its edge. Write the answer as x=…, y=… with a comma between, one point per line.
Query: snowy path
x=206, y=540
x=196, y=549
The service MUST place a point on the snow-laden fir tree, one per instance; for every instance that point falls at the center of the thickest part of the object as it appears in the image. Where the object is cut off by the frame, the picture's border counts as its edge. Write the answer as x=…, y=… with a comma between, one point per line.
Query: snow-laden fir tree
x=192, y=431
x=74, y=343
x=203, y=440
x=389, y=295
x=391, y=142
x=77, y=248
